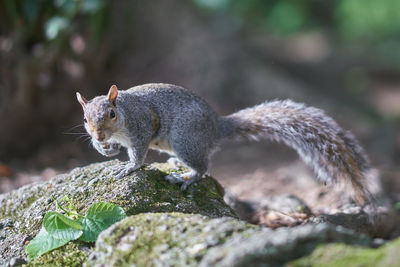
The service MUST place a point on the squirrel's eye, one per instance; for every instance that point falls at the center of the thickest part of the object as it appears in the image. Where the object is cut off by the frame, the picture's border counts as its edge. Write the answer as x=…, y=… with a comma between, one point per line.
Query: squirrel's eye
x=84, y=120
x=112, y=114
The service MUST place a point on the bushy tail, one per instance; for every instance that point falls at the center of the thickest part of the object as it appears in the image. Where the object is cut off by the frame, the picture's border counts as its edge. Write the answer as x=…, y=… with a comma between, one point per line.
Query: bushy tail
x=333, y=153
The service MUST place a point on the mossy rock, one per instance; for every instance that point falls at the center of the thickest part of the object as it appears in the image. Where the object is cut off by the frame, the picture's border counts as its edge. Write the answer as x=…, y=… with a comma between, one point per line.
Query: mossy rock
x=176, y=239
x=73, y=254
x=343, y=255
x=161, y=229
x=146, y=190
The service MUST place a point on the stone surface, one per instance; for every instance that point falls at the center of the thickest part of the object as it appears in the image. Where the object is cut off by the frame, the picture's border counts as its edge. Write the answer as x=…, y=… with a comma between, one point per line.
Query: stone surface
x=379, y=220
x=169, y=227
x=280, y=211
x=347, y=256
x=176, y=239
x=22, y=210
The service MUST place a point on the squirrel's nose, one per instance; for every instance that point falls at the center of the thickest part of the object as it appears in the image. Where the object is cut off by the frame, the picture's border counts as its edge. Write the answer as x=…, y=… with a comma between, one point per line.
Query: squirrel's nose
x=99, y=136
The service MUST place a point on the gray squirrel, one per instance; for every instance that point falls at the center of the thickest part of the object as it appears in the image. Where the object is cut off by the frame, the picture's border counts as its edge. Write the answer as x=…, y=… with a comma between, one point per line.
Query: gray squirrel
x=171, y=119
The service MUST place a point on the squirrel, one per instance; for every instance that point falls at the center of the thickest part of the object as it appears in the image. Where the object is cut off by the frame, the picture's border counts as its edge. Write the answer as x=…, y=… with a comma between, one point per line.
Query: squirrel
x=172, y=119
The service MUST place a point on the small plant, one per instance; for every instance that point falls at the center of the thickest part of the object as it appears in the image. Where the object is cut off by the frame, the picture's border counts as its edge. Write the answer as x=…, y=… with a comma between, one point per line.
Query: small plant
x=58, y=229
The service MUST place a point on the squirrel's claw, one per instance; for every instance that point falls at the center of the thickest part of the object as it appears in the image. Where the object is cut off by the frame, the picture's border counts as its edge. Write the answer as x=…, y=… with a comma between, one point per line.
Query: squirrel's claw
x=175, y=178
x=185, y=179
x=122, y=171
x=185, y=185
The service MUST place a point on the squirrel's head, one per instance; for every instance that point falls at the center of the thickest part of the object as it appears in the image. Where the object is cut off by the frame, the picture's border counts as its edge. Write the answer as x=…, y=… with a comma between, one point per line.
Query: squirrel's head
x=101, y=115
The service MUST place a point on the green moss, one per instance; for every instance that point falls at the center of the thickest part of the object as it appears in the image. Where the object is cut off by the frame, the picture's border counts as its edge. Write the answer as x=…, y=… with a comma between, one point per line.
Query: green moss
x=69, y=255
x=145, y=190
x=346, y=255
x=177, y=238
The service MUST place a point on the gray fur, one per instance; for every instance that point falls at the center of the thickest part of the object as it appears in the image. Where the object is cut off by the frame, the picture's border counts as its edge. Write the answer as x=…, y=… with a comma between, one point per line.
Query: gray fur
x=316, y=137
x=173, y=120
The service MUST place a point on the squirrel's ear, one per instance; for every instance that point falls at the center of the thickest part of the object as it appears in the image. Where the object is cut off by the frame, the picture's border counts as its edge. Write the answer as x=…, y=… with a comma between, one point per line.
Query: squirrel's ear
x=81, y=100
x=112, y=94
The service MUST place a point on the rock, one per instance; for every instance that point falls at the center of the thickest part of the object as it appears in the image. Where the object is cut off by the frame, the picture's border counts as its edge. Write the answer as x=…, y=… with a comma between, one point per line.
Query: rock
x=159, y=229
x=379, y=220
x=16, y=262
x=285, y=203
x=281, y=210
x=345, y=255
x=176, y=239
x=276, y=211
x=22, y=210
x=245, y=209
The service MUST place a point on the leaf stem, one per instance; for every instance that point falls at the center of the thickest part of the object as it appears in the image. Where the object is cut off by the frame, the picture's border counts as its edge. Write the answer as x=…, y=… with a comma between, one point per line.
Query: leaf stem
x=68, y=213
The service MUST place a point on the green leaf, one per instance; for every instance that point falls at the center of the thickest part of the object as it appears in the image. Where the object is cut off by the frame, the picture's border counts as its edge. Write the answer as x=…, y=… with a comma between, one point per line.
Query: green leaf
x=61, y=227
x=99, y=217
x=43, y=243
x=105, y=210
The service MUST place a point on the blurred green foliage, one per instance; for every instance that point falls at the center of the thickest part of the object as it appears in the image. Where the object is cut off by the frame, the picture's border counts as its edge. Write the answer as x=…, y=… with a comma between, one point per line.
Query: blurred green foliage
x=350, y=19
x=36, y=21
x=279, y=16
x=368, y=18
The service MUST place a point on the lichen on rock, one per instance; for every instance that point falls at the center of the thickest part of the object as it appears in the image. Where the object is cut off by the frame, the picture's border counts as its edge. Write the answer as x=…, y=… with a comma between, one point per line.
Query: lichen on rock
x=176, y=239
x=165, y=227
x=73, y=254
x=22, y=210
x=346, y=256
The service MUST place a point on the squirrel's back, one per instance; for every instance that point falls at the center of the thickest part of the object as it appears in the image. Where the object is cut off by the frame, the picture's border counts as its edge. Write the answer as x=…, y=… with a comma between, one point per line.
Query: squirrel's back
x=163, y=91
x=172, y=105
x=166, y=98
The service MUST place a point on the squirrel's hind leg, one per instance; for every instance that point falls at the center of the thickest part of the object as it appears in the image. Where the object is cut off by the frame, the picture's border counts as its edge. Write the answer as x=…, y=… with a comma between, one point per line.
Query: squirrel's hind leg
x=197, y=166
x=192, y=140
x=196, y=161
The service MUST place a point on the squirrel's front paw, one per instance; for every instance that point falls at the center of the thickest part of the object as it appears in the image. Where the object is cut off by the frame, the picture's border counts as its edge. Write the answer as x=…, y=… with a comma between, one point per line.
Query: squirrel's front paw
x=106, y=149
x=122, y=171
x=110, y=150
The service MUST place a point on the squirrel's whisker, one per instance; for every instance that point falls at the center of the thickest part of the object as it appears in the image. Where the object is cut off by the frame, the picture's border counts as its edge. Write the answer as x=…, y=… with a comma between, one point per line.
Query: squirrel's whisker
x=74, y=127
x=75, y=133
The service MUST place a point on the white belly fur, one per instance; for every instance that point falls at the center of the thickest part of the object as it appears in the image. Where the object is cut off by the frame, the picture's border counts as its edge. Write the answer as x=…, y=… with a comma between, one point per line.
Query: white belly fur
x=159, y=144
x=162, y=145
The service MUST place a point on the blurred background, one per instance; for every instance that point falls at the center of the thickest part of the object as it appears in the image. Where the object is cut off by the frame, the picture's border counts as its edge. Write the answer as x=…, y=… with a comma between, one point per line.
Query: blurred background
x=342, y=56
